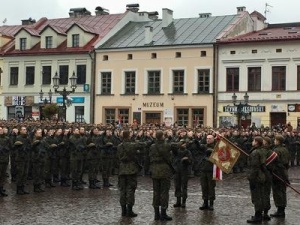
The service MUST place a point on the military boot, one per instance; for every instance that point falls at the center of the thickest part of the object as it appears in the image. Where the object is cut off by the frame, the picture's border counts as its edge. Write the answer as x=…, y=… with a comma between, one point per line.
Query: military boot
x=92, y=184
x=204, y=205
x=164, y=216
x=266, y=217
x=183, y=202
x=20, y=191
x=64, y=183
x=23, y=189
x=279, y=213
x=105, y=182
x=40, y=188
x=124, y=210
x=178, y=203
x=257, y=218
x=36, y=188
x=130, y=213
x=75, y=186
x=211, y=205
x=49, y=183
x=156, y=213
x=2, y=193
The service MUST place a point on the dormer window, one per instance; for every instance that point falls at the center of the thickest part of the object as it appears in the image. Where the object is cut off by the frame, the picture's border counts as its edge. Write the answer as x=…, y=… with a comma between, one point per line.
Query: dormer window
x=49, y=42
x=75, y=40
x=22, y=43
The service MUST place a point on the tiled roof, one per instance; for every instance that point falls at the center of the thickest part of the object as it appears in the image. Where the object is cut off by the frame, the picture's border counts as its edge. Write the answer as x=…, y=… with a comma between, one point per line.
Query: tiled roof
x=99, y=25
x=180, y=32
x=274, y=32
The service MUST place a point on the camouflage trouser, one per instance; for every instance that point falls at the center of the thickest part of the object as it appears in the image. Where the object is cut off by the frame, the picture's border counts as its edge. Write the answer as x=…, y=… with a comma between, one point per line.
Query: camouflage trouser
x=3, y=168
x=63, y=165
x=107, y=165
x=127, y=186
x=76, y=169
x=279, y=193
x=93, y=168
x=22, y=172
x=267, y=195
x=161, y=189
x=257, y=196
x=48, y=169
x=38, y=172
x=207, y=186
x=181, y=183
x=13, y=166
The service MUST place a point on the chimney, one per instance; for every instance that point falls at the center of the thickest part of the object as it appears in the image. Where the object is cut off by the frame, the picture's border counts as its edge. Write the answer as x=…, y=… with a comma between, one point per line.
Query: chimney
x=28, y=21
x=167, y=17
x=133, y=7
x=79, y=12
x=240, y=9
x=101, y=11
x=148, y=35
x=153, y=15
x=204, y=15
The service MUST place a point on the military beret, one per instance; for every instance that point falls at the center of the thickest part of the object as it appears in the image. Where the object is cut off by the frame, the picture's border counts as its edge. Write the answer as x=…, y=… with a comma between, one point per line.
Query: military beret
x=17, y=143
x=90, y=145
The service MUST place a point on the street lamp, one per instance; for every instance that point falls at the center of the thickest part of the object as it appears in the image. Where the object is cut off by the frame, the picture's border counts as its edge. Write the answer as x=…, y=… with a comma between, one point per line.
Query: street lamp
x=240, y=106
x=64, y=93
x=45, y=100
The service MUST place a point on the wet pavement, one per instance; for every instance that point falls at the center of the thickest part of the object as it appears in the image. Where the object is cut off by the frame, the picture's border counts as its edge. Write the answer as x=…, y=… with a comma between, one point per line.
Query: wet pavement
x=61, y=205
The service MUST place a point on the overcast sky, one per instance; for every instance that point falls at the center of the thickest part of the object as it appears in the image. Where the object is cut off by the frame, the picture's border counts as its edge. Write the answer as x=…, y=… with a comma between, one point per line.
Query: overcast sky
x=279, y=11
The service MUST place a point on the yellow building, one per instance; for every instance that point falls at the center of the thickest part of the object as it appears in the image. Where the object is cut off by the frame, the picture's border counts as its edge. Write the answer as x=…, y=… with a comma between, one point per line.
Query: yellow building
x=163, y=71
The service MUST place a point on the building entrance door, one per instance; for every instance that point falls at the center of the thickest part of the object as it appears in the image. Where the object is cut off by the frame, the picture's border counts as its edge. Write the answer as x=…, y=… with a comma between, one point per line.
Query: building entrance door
x=278, y=118
x=154, y=118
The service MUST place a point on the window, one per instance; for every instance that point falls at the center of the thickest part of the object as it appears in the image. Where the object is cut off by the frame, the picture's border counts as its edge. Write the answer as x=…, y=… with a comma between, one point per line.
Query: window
x=110, y=116
x=153, y=55
x=130, y=82
x=203, y=81
x=22, y=43
x=278, y=78
x=63, y=74
x=298, y=77
x=29, y=75
x=178, y=54
x=254, y=79
x=232, y=79
x=46, y=75
x=129, y=56
x=182, y=116
x=105, y=58
x=232, y=52
x=278, y=50
x=81, y=74
x=203, y=54
x=178, y=81
x=254, y=51
x=75, y=40
x=79, y=114
x=153, y=82
x=106, y=83
x=124, y=115
x=49, y=42
x=198, y=116
x=14, y=75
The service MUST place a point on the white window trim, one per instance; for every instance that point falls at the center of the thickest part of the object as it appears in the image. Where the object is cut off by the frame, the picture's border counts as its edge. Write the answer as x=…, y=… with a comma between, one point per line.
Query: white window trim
x=145, y=91
x=136, y=79
x=211, y=78
x=171, y=79
x=100, y=81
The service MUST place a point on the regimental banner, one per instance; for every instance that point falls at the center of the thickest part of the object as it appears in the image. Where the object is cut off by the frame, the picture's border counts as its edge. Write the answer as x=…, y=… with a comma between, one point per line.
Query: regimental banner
x=225, y=155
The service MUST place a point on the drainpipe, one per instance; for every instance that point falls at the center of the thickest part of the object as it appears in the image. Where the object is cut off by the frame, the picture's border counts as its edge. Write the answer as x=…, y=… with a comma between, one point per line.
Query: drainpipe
x=92, y=55
x=215, y=85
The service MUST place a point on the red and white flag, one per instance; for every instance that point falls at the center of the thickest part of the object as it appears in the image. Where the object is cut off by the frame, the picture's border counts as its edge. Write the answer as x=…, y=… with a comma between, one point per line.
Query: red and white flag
x=217, y=173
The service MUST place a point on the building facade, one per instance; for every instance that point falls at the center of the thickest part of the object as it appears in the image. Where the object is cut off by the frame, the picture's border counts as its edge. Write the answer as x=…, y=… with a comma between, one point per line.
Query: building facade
x=162, y=72
x=266, y=66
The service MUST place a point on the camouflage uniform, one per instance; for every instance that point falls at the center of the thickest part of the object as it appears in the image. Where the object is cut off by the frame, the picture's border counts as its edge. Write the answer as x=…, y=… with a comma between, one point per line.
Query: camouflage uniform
x=4, y=159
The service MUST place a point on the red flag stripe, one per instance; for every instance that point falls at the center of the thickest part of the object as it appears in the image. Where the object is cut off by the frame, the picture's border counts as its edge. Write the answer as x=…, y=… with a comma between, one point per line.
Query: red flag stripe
x=271, y=158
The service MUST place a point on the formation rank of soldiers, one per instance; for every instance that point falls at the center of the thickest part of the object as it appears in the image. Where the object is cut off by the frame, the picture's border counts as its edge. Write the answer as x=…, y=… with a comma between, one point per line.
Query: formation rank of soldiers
x=54, y=154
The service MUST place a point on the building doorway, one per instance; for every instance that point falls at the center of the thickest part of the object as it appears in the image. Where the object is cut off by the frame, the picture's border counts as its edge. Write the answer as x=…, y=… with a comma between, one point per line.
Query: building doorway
x=277, y=118
x=154, y=118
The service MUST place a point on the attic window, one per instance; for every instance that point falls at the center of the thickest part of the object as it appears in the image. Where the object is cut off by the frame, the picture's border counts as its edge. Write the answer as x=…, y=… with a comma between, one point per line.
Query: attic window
x=129, y=56
x=232, y=52
x=153, y=55
x=254, y=51
x=264, y=33
x=278, y=50
x=203, y=54
x=105, y=58
x=178, y=54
